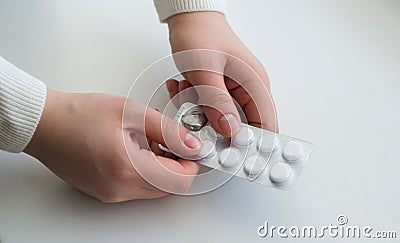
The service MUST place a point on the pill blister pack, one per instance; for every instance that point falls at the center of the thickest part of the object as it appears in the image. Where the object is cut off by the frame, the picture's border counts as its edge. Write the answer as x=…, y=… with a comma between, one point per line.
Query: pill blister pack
x=254, y=154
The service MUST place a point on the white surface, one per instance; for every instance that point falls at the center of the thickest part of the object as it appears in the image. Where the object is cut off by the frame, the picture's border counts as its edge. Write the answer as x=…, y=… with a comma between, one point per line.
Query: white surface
x=335, y=71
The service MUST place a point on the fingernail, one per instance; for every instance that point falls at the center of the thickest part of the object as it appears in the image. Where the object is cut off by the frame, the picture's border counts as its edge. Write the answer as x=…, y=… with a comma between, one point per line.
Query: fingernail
x=191, y=141
x=229, y=123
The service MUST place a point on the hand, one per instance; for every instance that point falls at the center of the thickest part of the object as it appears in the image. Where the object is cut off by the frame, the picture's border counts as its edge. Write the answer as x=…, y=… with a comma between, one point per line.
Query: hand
x=81, y=138
x=210, y=30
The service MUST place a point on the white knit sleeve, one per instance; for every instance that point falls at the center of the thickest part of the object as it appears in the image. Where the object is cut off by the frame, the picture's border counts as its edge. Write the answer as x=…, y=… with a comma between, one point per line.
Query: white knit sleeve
x=22, y=100
x=167, y=8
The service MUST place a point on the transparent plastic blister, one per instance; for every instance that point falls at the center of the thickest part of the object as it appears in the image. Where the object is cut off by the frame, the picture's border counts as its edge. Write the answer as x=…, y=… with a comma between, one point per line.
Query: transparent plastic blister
x=254, y=154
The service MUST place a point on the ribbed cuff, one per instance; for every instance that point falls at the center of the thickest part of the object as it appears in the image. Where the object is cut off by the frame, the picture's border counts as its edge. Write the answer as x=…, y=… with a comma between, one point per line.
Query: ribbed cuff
x=22, y=101
x=167, y=8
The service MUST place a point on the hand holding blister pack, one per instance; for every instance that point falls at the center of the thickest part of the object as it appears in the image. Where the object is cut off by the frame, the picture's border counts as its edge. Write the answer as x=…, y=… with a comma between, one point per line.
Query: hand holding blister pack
x=255, y=154
x=220, y=95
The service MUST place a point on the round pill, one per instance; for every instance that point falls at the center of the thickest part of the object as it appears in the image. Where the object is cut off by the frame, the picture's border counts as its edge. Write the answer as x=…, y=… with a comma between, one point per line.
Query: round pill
x=267, y=143
x=206, y=134
x=208, y=149
x=229, y=157
x=254, y=165
x=280, y=173
x=292, y=151
x=244, y=137
x=209, y=133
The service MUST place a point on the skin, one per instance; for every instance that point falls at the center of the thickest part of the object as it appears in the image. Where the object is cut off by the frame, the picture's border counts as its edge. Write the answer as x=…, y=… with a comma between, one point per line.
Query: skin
x=85, y=147
x=81, y=137
x=210, y=30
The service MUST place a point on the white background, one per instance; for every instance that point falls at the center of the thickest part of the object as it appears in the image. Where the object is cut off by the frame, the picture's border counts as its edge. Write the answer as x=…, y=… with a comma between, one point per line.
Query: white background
x=335, y=73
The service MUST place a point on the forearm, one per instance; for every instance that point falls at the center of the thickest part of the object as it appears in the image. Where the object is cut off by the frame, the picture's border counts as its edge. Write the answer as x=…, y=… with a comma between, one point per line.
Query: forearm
x=22, y=100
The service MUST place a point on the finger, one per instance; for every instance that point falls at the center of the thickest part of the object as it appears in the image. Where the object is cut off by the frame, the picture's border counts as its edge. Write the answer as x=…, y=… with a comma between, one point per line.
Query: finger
x=184, y=84
x=182, y=167
x=173, y=90
x=153, y=125
x=248, y=83
x=156, y=149
x=187, y=171
x=263, y=118
x=158, y=176
x=172, y=87
x=169, y=133
x=187, y=93
x=166, y=174
x=219, y=107
x=181, y=92
x=160, y=173
x=170, y=156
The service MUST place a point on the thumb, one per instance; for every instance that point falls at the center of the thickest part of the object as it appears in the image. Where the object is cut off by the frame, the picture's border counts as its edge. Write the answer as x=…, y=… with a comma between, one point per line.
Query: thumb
x=161, y=129
x=169, y=133
x=218, y=104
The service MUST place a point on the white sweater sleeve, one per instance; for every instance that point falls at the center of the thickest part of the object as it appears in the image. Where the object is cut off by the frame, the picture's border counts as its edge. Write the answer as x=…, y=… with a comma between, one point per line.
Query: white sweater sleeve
x=22, y=100
x=167, y=8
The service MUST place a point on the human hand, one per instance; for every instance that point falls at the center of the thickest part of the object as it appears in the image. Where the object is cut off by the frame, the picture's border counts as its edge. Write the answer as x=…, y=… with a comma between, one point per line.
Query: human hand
x=210, y=30
x=81, y=138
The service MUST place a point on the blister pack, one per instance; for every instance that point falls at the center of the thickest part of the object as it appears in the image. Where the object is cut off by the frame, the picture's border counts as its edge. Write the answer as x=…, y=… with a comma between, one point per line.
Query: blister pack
x=253, y=153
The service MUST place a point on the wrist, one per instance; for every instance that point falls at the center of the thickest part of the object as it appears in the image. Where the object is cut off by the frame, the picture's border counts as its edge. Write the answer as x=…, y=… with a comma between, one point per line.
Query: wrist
x=196, y=19
x=54, y=104
x=168, y=8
